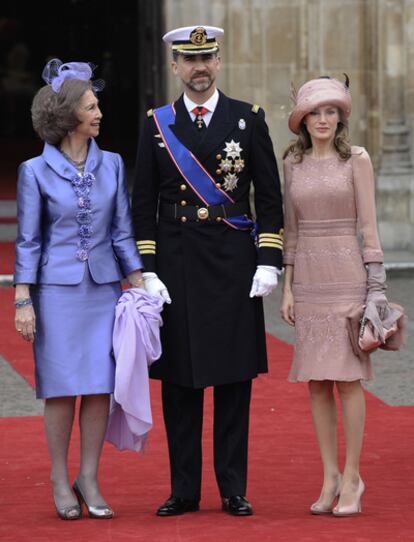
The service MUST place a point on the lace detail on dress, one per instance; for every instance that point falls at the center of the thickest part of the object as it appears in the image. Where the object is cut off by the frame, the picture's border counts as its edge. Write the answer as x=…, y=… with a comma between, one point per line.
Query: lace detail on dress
x=315, y=254
x=339, y=292
x=320, y=328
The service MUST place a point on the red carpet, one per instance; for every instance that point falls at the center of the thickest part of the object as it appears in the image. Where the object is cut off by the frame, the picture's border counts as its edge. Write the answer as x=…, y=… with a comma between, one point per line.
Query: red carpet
x=6, y=257
x=284, y=473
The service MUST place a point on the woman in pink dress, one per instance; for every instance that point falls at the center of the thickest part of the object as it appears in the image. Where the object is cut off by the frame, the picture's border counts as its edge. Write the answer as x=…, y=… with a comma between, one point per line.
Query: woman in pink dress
x=329, y=192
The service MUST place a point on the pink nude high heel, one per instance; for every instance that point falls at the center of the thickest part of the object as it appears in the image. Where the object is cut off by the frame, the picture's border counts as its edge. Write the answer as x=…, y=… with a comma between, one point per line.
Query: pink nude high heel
x=318, y=508
x=352, y=509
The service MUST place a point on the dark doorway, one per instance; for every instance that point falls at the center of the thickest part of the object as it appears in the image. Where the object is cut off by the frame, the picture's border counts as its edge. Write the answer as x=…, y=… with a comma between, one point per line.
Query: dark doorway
x=122, y=38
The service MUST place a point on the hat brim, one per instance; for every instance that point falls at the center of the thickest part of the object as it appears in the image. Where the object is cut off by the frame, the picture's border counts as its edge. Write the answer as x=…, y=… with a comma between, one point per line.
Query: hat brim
x=299, y=112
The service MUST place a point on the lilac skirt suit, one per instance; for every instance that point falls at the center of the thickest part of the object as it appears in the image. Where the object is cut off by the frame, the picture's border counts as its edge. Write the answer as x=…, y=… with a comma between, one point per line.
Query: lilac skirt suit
x=75, y=243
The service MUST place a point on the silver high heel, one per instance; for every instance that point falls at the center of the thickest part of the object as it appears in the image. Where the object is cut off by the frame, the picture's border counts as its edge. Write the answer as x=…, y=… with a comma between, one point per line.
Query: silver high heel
x=69, y=513
x=352, y=509
x=97, y=512
x=318, y=508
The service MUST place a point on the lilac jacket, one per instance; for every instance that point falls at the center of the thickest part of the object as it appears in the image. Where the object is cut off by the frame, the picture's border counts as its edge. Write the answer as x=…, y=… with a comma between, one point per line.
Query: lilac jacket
x=136, y=343
x=48, y=232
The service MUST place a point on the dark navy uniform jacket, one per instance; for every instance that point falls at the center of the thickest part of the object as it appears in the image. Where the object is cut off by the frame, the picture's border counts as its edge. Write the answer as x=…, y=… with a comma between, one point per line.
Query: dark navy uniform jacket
x=213, y=332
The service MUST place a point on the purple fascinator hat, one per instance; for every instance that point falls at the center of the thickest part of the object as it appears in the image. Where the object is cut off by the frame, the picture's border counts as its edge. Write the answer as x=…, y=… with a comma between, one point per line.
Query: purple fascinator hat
x=55, y=74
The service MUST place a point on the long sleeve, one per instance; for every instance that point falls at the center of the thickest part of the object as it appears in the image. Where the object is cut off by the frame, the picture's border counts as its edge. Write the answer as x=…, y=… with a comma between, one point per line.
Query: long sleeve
x=145, y=196
x=122, y=233
x=364, y=187
x=267, y=194
x=291, y=221
x=29, y=233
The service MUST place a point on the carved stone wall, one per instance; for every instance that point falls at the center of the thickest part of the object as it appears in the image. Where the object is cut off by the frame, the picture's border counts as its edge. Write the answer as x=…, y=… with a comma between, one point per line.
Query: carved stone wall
x=270, y=43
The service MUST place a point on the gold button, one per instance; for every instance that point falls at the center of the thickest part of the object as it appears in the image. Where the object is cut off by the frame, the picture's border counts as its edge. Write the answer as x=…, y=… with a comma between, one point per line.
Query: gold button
x=183, y=219
x=183, y=203
x=218, y=171
x=218, y=157
x=183, y=187
x=218, y=219
x=203, y=213
x=218, y=185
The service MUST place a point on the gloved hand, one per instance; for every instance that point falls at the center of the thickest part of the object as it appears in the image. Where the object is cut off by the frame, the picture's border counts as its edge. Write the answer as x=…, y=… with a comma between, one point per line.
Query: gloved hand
x=376, y=308
x=376, y=288
x=264, y=280
x=156, y=287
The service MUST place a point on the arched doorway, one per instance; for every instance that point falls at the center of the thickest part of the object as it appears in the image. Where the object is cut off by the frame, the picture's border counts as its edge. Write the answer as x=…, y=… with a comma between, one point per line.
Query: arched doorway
x=121, y=38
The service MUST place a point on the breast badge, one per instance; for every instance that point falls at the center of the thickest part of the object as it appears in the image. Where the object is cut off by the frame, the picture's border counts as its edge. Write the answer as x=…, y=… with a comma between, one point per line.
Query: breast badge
x=231, y=165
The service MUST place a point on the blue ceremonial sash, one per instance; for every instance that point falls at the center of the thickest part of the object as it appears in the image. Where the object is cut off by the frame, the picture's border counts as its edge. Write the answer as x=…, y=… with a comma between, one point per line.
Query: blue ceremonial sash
x=193, y=172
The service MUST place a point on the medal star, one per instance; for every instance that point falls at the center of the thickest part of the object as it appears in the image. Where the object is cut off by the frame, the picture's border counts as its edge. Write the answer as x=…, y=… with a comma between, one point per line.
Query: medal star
x=232, y=149
x=230, y=182
x=226, y=165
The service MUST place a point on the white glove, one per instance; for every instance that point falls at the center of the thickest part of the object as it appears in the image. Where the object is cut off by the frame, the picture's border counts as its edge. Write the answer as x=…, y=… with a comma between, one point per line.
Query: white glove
x=264, y=280
x=156, y=287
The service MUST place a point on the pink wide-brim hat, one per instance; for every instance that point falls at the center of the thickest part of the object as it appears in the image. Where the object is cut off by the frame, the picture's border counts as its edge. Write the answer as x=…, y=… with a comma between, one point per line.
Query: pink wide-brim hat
x=318, y=92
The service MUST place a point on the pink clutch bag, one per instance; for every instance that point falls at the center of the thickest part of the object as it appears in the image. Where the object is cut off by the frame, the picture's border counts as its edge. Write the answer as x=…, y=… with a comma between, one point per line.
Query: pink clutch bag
x=362, y=336
x=367, y=340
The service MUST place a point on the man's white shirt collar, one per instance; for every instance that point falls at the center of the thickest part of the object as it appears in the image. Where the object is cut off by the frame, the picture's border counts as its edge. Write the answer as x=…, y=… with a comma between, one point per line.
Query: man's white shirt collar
x=210, y=104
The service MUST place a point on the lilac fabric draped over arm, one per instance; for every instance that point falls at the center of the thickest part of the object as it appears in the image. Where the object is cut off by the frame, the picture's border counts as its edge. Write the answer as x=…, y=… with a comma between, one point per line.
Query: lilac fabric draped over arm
x=136, y=344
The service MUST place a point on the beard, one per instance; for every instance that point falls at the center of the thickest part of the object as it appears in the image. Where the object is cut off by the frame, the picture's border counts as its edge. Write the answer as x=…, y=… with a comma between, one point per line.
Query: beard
x=201, y=86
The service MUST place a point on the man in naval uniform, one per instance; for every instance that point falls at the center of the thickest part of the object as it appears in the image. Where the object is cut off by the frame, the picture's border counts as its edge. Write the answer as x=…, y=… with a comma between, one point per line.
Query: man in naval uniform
x=209, y=261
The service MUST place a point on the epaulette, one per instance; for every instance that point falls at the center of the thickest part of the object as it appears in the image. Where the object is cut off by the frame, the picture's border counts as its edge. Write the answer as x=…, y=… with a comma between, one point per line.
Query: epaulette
x=150, y=113
x=255, y=108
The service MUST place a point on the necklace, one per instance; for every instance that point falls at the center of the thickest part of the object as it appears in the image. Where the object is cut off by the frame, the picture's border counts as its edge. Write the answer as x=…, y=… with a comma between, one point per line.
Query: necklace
x=79, y=164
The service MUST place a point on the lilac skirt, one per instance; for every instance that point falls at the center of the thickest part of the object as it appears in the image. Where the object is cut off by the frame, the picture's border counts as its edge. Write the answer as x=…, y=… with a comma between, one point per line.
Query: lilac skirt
x=73, y=344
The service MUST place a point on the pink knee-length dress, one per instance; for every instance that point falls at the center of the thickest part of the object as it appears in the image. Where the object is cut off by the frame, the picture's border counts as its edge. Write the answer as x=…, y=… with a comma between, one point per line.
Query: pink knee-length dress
x=326, y=202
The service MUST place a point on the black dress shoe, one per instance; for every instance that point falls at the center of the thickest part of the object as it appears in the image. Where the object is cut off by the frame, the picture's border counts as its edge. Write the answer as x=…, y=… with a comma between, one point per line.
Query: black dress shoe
x=175, y=506
x=237, y=506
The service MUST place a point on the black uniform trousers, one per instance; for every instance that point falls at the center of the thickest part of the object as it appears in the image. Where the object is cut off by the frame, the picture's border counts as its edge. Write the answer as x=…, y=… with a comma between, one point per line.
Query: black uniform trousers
x=183, y=416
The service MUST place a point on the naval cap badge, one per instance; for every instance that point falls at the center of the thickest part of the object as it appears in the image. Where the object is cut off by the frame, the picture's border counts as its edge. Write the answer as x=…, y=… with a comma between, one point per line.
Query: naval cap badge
x=198, y=36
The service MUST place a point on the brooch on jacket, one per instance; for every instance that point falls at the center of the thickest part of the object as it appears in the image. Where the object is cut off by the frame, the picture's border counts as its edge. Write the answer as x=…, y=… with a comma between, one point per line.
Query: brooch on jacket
x=82, y=183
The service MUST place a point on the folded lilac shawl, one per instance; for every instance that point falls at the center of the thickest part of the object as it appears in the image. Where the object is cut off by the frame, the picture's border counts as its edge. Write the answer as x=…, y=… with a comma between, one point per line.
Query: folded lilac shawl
x=136, y=344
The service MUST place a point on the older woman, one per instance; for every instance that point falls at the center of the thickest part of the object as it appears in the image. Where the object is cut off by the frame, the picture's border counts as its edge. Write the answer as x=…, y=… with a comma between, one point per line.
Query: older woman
x=329, y=189
x=74, y=245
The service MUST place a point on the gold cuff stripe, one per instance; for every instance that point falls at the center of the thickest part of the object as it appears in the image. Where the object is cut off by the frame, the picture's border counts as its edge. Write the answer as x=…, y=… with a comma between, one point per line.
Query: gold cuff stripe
x=146, y=245
x=146, y=242
x=268, y=238
x=271, y=241
x=271, y=245
x=146, y=251
x=270, y=235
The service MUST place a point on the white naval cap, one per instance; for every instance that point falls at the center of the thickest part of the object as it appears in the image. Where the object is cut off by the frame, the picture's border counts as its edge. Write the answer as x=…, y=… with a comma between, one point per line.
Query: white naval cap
x=194, y=40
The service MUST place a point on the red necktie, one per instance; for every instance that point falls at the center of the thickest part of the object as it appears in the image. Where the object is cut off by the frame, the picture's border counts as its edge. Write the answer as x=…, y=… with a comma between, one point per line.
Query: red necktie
x=199, y=111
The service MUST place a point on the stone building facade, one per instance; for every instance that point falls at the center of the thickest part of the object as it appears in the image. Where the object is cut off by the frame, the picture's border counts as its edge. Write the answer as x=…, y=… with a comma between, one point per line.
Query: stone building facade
x=270, y=43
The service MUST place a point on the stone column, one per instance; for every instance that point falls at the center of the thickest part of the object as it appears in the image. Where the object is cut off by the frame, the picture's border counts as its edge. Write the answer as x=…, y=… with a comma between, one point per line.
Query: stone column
x=395, y=179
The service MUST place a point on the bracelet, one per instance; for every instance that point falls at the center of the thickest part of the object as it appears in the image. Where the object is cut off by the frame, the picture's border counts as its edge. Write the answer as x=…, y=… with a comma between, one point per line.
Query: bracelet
x=23, y=302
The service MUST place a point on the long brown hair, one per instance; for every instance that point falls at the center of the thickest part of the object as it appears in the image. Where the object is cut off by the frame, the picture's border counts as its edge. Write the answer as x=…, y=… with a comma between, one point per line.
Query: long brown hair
x=303, y=142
